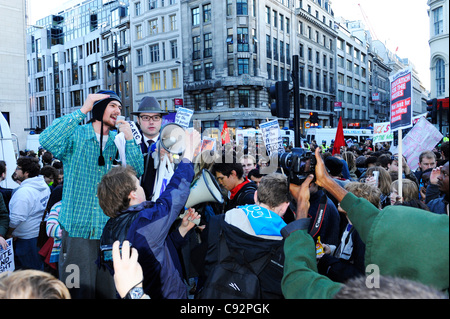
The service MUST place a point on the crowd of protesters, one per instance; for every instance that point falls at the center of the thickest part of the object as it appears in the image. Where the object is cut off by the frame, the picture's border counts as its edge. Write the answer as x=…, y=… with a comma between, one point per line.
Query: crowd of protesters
x=75, y=198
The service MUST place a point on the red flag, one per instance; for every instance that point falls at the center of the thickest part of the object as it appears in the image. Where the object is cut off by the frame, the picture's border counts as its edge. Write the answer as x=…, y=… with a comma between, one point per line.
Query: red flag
x=225, y=134
x=339, y=139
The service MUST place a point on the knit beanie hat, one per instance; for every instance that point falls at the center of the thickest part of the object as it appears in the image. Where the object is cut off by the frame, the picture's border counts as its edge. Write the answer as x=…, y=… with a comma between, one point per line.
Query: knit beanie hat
x=97, y=113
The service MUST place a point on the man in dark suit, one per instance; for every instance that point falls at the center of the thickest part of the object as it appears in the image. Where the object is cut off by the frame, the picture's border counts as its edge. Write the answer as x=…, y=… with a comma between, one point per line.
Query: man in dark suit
x=149, y=114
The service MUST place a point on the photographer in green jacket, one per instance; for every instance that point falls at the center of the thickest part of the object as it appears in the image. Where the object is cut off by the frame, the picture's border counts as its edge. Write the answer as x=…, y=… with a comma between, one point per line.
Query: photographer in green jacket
x=401, y=241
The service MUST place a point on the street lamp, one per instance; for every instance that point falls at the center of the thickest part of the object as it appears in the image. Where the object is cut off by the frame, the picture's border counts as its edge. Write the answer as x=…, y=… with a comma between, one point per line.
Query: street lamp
x=117, y=65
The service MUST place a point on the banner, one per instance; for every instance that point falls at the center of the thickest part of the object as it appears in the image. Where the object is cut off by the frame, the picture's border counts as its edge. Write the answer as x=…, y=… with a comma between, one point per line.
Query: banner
x=401, y=99
x=382, y=131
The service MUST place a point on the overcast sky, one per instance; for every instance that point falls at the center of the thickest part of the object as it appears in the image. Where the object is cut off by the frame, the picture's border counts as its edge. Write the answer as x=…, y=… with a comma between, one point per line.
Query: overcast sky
x=398, y=23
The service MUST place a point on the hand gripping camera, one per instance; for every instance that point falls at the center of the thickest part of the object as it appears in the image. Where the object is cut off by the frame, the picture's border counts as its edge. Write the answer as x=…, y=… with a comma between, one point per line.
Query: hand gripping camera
x=297, y=164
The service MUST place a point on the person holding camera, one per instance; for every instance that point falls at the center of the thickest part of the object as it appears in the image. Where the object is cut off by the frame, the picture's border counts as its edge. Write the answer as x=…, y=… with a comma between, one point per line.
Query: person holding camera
x=420, y=258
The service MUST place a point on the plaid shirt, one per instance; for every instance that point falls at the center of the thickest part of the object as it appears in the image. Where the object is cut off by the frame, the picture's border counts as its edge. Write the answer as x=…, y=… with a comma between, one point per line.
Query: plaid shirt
x=78, y=148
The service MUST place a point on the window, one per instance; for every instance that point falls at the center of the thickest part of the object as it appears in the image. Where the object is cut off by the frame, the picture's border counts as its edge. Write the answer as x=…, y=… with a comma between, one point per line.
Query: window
x=139, y=32
x=152, y=4
x=269, y=71
x=141, y=83
x=438, y=20
x=268, y=47
x=275, y=19
x=154, y=53
x=242, y=39
x=137, y=8
x=208, y=45
x=208, y=71
x=243, y=66
x=349, y=81
x=231, y=99
x=153, y=24
x=156, y=81
x=209, y=99
x=195, y=16
x=175, y=80
x=230, y=40
x=230, y=67
x=139, y=57
x=229, y=7
x=440, y=77
x=174, y=49
x=197, y=72
x=275, y=49
x=173, y=22
x=241, y=7
x=196, y=46
x=267, y=15
x=288, y=26
x=93, y=71
x=341, y=78
x=207, y=13
x=197, y=101
x=244, y=98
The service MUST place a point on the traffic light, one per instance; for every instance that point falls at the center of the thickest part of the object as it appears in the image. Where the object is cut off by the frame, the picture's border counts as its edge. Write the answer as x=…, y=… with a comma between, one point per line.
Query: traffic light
x=432, y=111
x=314, y=118
x=280, y=93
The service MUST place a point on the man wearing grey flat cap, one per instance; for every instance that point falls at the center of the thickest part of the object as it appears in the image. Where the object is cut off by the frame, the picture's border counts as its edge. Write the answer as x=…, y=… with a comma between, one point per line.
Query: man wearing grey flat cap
x=149, y=114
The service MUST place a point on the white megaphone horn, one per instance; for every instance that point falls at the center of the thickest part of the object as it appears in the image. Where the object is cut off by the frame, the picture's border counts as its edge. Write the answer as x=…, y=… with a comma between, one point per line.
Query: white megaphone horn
x=173, y=138
x=205, y=189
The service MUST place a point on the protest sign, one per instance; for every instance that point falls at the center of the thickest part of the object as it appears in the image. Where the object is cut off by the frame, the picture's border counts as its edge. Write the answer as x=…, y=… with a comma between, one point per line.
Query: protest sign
x=423, y=137
x=272, y=137
x=183, y=116
x=7, y=257
x=382, y=132
x=401, y=99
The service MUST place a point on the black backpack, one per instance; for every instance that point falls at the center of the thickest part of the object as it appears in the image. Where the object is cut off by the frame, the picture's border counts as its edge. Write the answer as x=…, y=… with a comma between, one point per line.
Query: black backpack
x=233, y=277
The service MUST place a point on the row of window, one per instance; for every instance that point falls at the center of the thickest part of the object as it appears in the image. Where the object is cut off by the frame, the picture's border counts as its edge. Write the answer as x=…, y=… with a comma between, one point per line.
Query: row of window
x=159, y=80
x=151, y=5
x=156, y=25
x=157, y=52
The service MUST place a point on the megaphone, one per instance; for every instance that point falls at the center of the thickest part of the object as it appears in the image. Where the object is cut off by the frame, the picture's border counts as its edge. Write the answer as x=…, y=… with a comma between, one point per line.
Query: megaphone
x=205, y=189
x=173, y=138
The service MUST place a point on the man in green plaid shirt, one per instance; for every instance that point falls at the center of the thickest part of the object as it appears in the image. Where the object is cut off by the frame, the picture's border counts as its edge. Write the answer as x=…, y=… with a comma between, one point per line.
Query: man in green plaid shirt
x=78, y=147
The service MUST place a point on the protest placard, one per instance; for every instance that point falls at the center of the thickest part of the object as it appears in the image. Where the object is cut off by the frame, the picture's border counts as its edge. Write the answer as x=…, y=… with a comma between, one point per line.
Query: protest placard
x=401, y=99
x=183, y=116
x=7, y=257
x=272, y=137
x=423, y=137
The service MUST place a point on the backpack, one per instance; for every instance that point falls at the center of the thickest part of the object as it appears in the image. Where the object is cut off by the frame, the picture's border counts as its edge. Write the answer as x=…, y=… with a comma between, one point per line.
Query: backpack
x=233, y=277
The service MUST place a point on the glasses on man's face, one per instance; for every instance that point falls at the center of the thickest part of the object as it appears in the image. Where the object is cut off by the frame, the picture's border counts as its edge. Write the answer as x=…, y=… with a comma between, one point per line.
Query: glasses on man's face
x=147, y=118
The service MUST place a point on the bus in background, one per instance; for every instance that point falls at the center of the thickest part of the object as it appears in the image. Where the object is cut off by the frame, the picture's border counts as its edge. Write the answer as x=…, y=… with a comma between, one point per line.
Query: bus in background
x=328, y=134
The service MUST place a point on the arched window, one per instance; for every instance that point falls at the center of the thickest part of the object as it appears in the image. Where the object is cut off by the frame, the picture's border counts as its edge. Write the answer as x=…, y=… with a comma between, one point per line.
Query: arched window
x=440, y=77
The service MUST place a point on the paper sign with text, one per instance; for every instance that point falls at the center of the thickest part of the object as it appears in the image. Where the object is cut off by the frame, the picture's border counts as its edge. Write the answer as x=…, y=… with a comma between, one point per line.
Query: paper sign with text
x=7, y=257
x=401, y=99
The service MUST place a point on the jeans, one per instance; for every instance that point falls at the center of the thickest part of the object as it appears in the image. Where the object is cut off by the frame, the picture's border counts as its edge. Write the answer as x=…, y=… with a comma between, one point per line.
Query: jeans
x=26, y=254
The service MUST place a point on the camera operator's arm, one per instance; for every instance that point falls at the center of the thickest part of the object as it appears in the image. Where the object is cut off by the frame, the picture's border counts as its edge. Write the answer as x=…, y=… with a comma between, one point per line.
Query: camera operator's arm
x=325, y=181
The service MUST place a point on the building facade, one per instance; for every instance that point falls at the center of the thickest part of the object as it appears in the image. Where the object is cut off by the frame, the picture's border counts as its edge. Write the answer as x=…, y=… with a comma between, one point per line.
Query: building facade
x=156, y=53
x=439, y=57
x=353, y=75
x=64, y=58
x=234, y=50
x=13, y=81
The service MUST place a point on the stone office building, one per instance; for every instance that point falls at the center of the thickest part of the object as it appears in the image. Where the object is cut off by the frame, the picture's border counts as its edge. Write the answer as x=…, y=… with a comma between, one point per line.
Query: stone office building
x=234, y=50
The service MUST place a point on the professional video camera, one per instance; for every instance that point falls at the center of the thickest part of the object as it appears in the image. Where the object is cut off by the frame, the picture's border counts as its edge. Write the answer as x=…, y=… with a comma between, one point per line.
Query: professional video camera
x=298, y=164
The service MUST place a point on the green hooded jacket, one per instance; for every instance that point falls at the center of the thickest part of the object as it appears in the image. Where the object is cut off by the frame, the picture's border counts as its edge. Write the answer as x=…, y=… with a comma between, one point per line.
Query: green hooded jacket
x=402, y=241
